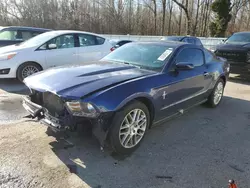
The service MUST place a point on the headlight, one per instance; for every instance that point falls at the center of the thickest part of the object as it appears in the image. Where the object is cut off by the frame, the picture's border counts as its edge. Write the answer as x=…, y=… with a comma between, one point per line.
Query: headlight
x=82, y=109
x=7, y=56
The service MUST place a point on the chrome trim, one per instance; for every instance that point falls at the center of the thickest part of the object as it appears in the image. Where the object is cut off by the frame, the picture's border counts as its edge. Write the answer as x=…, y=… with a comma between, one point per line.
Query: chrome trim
x=183, y=100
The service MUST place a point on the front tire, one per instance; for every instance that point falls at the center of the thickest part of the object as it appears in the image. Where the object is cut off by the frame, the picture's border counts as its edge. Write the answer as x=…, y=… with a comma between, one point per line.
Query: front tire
x=129, y=127
x=27, y=69
x=215, y=97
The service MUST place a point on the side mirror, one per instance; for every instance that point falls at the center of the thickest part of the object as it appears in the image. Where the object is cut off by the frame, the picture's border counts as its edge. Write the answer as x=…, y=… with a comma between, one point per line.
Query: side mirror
x=184, y=66
x=52, y=46
x=117, y=46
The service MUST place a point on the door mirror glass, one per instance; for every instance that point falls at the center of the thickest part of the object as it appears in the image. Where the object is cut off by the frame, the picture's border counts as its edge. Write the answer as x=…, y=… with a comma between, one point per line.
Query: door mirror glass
x=184, y=66
x=52, y=46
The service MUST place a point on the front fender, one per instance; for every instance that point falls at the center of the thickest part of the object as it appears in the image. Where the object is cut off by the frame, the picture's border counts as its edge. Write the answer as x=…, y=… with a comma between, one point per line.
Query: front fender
x=134, y=97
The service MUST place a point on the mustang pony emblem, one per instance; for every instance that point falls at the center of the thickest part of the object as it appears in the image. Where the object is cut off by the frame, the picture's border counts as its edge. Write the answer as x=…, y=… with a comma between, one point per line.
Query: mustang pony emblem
x=164, y=95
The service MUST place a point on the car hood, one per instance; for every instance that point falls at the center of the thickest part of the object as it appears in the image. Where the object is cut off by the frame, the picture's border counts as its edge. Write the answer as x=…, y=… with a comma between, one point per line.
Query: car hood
x=11, y=48
x=230, y=46
x=76, y=81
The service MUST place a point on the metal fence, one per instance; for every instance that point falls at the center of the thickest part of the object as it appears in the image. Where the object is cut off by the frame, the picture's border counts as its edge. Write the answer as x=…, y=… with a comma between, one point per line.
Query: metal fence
x=208, y=42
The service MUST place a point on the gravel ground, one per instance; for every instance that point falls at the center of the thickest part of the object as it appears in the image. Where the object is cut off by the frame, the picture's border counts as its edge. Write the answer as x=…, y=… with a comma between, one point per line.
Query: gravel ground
x=203, y=148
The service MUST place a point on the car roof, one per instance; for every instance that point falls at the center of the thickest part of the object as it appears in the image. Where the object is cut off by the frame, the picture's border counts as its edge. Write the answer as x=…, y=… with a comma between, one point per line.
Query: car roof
x=25, y=28
x=242, y=32
x=60, y=32
x=171, y=44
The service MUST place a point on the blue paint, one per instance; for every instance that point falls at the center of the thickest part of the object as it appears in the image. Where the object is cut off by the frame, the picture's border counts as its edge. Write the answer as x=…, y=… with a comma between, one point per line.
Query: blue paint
x=109, y=86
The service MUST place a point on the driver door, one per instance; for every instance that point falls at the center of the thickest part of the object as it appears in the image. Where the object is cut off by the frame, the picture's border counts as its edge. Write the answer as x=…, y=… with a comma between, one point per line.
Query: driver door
x=65, y=51
x=187, y=87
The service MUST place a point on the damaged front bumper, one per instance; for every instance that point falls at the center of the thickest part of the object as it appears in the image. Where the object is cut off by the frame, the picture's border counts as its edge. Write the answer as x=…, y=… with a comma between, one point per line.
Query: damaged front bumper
x=100, y=125
x=37, y=111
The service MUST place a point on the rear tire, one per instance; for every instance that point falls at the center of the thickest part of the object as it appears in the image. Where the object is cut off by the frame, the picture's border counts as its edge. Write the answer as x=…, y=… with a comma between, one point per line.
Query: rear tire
x=129, y=127
x=27, y=69
x=215, y=97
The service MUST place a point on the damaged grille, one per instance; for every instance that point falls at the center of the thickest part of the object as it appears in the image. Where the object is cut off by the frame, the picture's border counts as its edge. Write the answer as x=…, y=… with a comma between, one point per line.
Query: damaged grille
x=53, y=104
x=234, y=56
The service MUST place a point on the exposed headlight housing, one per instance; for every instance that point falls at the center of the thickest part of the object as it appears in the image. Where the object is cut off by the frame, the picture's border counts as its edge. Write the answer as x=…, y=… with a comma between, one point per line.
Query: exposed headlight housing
x=7, y=56
x=81, y=109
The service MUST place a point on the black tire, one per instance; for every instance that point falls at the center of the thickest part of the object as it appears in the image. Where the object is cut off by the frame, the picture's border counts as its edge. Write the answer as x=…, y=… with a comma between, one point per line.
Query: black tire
x=211, y=99
x=118, y=119
x=23, y=66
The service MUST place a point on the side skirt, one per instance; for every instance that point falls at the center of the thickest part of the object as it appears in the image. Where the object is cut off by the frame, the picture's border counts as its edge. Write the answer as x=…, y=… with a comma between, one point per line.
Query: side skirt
x=177, y=114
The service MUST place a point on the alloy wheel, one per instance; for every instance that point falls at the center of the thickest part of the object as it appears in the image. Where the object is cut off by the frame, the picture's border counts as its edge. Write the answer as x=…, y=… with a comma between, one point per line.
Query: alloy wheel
x=133, y=128
x=218, y=93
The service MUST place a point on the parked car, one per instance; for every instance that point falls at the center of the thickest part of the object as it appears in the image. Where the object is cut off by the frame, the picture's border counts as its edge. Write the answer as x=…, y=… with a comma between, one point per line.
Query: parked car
x=133, y=88
x=16, y=34
x=50, y=49
x=118, y=43
x=187, y=39
x=236, y=49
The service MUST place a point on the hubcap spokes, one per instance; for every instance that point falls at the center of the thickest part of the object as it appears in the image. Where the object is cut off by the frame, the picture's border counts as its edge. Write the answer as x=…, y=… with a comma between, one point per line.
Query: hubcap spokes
x=218, y=93
x=133, y=128
x=29, y=70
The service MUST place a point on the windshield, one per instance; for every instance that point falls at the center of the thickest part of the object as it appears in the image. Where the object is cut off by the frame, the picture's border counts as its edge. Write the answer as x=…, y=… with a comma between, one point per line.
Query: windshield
x=146, y=56
x=39, y=39
x=239, y=38
x=8, y=35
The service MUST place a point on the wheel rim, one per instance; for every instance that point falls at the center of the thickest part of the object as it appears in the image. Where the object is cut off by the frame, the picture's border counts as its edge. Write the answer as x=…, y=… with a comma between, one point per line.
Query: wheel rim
x=133, y=128
x=29, y=70
x=218, y=93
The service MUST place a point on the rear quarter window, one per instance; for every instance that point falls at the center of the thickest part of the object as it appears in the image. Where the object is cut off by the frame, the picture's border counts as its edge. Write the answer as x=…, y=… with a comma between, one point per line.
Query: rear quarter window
x=100, y=40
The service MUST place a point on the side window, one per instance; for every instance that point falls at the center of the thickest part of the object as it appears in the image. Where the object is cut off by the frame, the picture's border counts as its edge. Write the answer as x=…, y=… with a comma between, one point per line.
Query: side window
x=86, y=40
x=8, y=35
x=35, y=33
x=63, y=41
x=100, y=40
x=191, y=55
x=90, y=40
x=26, y=35
x=208, y=56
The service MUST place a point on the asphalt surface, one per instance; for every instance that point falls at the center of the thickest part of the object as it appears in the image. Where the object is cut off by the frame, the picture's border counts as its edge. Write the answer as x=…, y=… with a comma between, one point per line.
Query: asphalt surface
x=203, y=148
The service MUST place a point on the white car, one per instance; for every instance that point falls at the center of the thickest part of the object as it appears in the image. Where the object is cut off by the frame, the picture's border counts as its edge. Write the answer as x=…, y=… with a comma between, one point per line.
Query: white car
x=50, y=49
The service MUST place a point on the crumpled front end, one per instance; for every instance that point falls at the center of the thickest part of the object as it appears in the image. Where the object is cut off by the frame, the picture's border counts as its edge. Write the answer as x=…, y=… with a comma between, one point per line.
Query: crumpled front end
x=52, y=111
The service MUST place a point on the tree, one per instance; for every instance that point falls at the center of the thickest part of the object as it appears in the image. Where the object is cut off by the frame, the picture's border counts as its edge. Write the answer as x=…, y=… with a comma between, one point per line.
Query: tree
x=185, y=9
x=222, y=8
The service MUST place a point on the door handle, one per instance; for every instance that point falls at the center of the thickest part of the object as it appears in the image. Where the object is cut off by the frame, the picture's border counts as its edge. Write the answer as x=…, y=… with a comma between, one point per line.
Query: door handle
x=206, y=74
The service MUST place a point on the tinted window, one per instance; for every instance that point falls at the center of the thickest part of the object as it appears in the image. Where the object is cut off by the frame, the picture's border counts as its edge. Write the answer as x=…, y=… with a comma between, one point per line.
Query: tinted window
x=26, y=35
x=191, y=55
x=147, y=56
x=208, y=56
x=63, y=41
x=35, y=33
x=90, y=40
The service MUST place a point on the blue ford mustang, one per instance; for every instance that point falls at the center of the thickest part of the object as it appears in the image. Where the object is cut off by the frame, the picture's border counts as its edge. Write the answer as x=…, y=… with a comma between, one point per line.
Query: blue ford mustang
x=133, y=88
